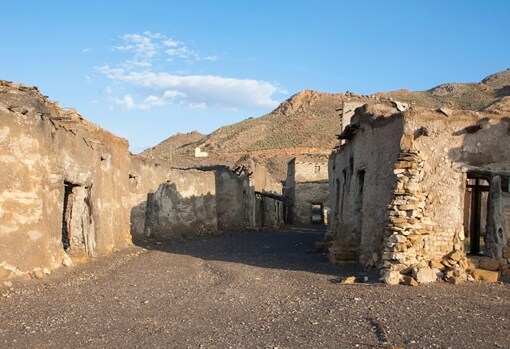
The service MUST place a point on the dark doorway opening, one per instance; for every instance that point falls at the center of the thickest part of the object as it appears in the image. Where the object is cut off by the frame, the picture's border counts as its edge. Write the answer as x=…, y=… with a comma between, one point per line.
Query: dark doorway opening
x=358, y=206
x=67, y=215
x=317, y=214
x=78, y=233
x=475, y=212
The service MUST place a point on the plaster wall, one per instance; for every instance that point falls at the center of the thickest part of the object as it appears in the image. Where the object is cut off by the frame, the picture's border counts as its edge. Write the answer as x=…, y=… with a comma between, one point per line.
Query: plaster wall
x=145, y=176
x=186, y=205
x=234, y=199
x=449, y=151
x=308, y=194
x=306, y=185
x=41, y=148
x=362, y=183
x=261, y=179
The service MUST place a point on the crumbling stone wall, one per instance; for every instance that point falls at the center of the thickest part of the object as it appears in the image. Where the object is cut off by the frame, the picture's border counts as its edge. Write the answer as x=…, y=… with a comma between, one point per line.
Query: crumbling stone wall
x=145, y=176
x=195, y=201
x=260, y=178
x=268, y=211
x=306, y=185
x=234, y=199
x=186, y=205
x=421, y=208
x=43, y=149
x=362, y=184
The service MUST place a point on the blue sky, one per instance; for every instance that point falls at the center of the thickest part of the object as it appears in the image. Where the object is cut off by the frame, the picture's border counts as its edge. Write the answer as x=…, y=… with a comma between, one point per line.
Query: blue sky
x=148, y=69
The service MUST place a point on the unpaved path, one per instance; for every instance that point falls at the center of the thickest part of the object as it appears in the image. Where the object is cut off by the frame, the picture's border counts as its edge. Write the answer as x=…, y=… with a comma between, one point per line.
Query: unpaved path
x=243, y=290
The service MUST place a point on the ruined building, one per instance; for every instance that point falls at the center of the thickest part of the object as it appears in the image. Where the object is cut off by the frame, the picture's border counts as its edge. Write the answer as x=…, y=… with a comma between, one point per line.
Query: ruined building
x=415, y=190
x=70, y=190
x=63, y=185
x=307, y=190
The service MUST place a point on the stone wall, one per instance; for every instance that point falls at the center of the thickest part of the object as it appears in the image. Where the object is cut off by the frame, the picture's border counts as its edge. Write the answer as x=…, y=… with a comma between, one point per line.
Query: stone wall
x=408, y=220
x=362, y=184
x=268, y=211
x=197, y=201
x=306, y=195
x=426, y=227
x=306, y=185
x=63, y=184
x=184, y=206
x=145, y=177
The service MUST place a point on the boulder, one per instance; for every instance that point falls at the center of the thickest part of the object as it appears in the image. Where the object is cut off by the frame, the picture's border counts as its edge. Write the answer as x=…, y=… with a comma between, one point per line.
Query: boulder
x=489, y=264
x=456, y=255
x=391, y=277
x=436, y=265
x=348, y=280
x=456, y=280
x=425, y=275
x=409, y=281
x=485, y=275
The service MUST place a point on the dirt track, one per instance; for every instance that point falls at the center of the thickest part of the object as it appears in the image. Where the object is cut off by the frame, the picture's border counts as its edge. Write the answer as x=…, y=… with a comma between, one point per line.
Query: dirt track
x=245, y=290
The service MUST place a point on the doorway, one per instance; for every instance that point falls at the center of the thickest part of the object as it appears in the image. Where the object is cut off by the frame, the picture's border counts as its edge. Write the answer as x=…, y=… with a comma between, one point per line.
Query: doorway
x=78, y=233
x=317, y=214
x=476, y=203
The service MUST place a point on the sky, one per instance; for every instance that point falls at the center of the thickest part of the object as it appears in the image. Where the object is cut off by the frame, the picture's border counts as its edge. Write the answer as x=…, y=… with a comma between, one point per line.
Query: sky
x=148, y=69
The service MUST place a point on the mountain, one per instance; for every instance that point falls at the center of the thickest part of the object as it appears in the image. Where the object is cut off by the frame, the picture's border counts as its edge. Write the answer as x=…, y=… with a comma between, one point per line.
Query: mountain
x=308, y=122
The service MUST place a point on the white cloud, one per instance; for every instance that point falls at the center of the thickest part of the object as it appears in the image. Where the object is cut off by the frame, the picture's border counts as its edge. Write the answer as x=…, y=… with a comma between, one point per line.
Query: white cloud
x=147, y=46
x=197, y=89
x=167, y=97
x=86, y=50
x=127, y=102
x=171, y=43
x=144, y=87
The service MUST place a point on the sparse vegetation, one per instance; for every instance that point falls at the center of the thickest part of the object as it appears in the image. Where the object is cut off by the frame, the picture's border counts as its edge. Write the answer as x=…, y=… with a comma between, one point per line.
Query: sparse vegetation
x=310, y=119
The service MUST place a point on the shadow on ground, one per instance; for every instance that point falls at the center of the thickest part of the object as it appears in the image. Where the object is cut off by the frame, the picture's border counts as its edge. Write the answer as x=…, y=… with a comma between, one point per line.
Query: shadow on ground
x=289, y=249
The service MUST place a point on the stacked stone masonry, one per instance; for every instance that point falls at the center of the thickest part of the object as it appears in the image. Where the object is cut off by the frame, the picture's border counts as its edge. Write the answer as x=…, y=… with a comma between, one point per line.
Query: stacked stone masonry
x=413, y=169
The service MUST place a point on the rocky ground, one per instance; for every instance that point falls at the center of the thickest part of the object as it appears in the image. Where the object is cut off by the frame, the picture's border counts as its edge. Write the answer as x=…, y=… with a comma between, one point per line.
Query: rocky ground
x=244, y=290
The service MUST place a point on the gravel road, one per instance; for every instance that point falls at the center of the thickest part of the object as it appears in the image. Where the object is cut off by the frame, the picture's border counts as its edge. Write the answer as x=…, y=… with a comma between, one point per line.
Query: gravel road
x=243, y=290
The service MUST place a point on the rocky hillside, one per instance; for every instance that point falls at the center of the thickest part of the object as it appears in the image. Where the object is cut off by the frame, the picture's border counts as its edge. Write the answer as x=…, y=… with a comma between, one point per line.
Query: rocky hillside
x=307, y=123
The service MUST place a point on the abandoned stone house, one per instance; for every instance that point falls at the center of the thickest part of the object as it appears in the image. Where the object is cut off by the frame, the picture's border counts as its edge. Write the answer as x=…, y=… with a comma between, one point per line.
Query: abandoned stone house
x=70, y=190
x=307, y=190
x=63, y=185
x=415, y=190
x=169, y=202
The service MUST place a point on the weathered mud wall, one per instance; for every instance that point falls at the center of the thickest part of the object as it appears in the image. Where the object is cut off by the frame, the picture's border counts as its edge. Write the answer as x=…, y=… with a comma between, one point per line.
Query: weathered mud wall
x=399, y=188
x=43, y=150
x=454, y=145
x=234, y=199
x=145, y=177
x=308, y=194
x=306, y=185
x=186, y=205
x=261, y=180
x=362, y=183
x=197, y=202
x=269, y=211
x=439, y=152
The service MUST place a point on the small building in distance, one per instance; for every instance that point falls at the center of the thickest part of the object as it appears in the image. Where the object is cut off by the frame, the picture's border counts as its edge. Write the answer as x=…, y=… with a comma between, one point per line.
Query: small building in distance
x=306, y=190
x=416, y=191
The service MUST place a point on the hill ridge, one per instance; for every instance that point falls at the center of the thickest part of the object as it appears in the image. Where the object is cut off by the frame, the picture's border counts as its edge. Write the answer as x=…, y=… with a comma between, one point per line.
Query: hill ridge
x=309, y=120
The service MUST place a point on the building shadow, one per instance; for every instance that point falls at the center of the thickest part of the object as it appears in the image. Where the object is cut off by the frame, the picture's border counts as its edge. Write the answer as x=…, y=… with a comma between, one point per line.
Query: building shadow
x=290, y=249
